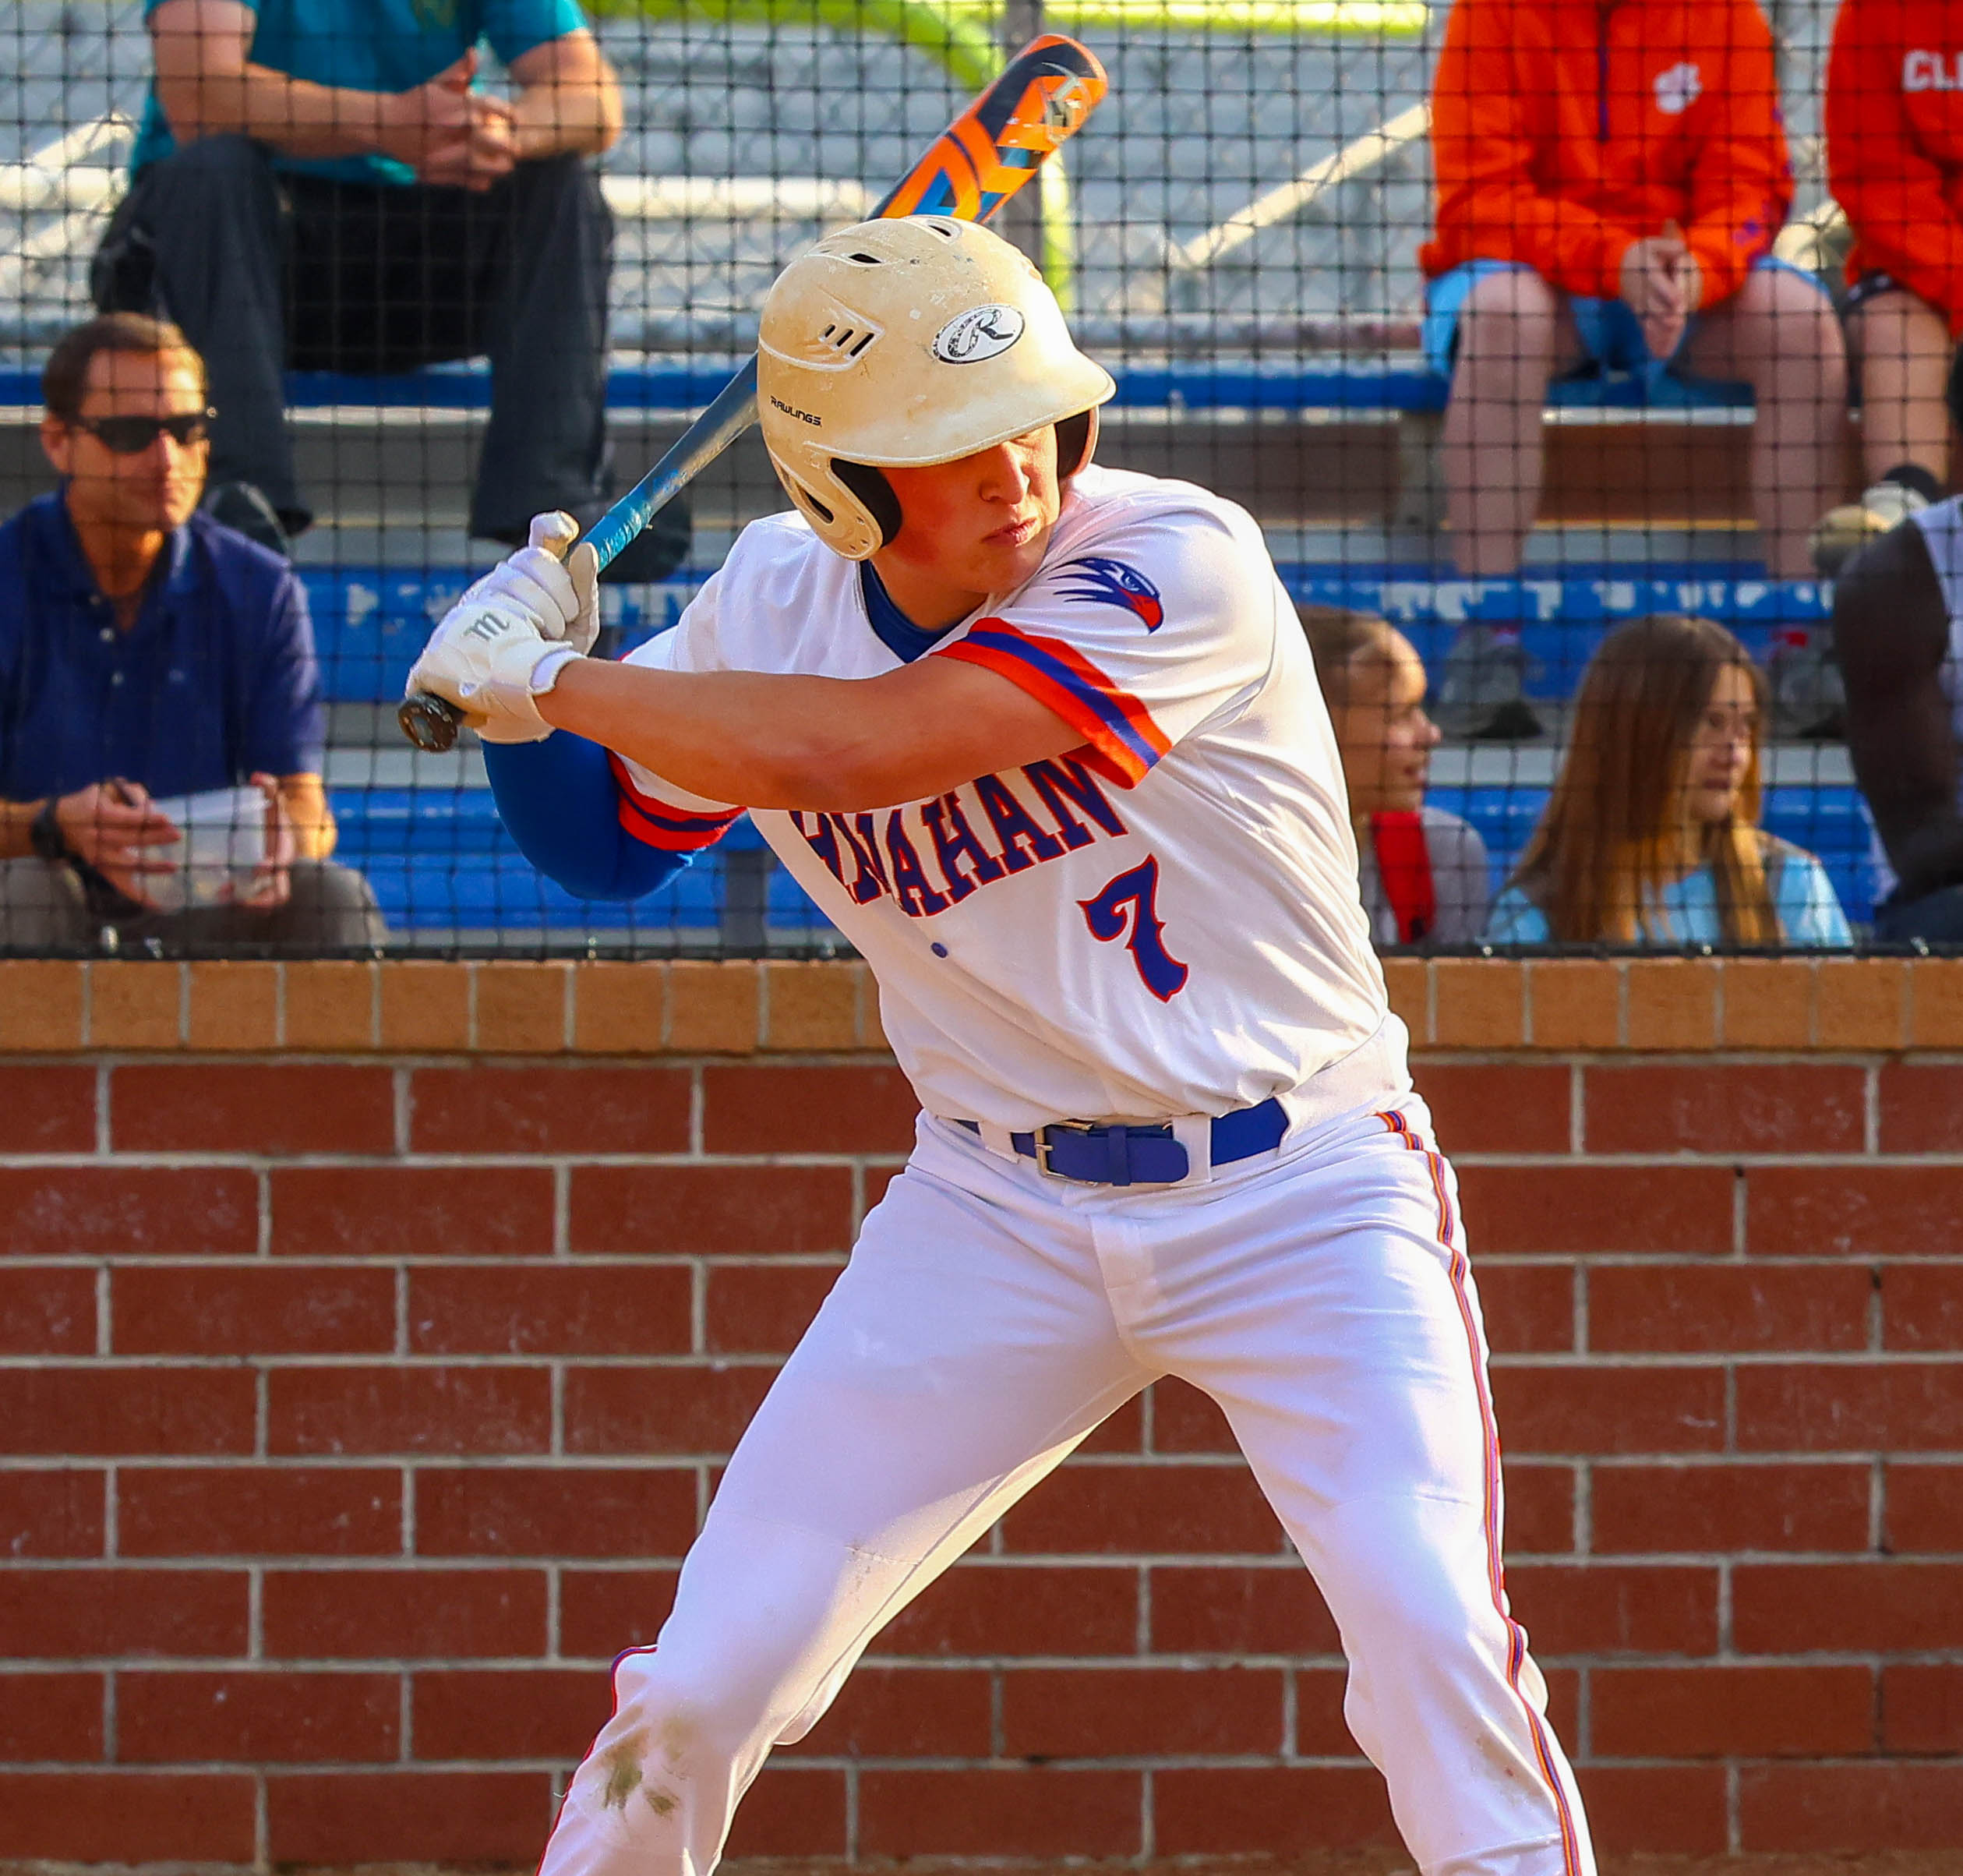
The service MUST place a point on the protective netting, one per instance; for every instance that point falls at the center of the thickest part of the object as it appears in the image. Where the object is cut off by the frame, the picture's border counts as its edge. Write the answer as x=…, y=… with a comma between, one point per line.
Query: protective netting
x=1237, y=233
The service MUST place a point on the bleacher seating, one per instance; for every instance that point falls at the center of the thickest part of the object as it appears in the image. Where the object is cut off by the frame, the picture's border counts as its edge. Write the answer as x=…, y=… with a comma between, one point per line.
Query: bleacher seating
x=1240, y=319
x=441, y=864
x=440, y=861
x=369, y=622
x=1827, y=819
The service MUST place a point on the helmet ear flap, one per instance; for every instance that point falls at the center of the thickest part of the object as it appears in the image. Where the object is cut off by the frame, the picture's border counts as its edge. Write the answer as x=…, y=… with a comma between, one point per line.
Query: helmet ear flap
x=875, y=493
x=1076, y=443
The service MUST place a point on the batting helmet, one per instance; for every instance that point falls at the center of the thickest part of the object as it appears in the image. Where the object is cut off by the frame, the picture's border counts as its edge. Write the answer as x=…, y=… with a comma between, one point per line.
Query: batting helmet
x=898, y=344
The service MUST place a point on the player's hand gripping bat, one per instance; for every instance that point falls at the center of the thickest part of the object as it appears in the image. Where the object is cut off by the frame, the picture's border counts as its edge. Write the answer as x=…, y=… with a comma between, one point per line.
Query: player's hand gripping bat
x=976, y=164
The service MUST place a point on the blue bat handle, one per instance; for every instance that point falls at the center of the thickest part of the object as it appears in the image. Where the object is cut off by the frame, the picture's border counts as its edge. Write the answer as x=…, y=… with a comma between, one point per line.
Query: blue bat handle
x=732, y=412
x=431, y=722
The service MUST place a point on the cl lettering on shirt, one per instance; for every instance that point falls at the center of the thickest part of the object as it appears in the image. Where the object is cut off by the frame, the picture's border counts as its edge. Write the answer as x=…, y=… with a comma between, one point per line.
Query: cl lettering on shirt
x=942, y=827
x=1928, y=70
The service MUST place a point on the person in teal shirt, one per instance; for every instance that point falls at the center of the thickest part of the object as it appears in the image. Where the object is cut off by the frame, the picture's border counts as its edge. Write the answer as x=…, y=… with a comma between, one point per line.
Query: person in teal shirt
x=322, y=185
x=1651, y=836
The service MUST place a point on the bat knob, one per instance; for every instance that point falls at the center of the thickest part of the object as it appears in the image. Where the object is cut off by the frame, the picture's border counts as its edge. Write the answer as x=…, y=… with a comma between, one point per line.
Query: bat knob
x=430, y=723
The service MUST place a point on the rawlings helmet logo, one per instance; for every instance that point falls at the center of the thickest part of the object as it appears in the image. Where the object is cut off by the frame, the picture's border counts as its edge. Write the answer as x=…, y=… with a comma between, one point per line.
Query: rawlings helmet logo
x=982, y=332
x=1100, y=581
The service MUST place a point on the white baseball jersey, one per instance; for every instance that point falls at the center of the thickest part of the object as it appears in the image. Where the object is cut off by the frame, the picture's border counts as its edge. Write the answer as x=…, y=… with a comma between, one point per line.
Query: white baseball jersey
x=1164, y=921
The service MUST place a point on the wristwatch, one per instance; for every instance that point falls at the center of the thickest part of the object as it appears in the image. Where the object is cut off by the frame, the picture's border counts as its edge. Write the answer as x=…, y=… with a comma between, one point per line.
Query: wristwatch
x=44, y=833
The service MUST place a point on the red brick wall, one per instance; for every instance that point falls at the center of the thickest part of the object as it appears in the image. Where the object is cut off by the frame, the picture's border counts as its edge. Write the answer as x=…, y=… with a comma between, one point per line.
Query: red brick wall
x=370, y=1338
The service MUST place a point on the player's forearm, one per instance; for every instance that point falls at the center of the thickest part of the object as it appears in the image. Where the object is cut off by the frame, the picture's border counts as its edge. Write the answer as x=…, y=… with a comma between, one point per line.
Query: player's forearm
x=295, y=117
x=749, y=737
x=831, y=744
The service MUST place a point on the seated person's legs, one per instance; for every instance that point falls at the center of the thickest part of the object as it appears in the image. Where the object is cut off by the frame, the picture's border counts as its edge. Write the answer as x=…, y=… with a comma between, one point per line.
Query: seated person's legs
x=199, y=238
x=1503, y=332
x=42, y=908
x=385, y=280
x=548, y=239
x=1778, y=333
x=328, y=907
x=1900, y=345
x=1509, y=341
x=545, y=447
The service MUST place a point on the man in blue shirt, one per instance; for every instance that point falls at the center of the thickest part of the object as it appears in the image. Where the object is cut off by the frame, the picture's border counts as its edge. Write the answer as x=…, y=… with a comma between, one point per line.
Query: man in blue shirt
x=316, y=184
x=147, y=652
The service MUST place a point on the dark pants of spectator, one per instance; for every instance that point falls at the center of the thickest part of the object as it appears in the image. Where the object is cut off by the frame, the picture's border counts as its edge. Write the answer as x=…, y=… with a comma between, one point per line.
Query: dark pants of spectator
x=1937, y=918
x=46, y=907
x=266, y=271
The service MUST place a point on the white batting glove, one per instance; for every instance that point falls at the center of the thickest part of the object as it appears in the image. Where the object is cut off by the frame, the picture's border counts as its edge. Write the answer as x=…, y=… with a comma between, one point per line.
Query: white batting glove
x=501, y=646
x=560, y=590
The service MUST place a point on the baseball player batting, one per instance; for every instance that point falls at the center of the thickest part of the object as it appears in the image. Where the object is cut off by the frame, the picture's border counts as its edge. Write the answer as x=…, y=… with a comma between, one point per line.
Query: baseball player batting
x=1044, y=741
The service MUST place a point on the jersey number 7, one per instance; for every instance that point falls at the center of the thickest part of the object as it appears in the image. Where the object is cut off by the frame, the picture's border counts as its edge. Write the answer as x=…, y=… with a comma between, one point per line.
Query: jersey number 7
x=1142, y=930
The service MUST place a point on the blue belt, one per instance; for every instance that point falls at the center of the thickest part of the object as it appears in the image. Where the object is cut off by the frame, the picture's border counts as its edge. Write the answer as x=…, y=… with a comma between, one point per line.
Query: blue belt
x=1143, y=1156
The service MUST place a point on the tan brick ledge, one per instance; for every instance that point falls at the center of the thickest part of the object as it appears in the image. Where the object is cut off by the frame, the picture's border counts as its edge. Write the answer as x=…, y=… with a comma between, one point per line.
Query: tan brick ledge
x=744, y=1007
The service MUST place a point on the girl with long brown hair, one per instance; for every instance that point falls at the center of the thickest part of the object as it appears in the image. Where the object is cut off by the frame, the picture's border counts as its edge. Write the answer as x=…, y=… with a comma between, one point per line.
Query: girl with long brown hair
x=1651, y=835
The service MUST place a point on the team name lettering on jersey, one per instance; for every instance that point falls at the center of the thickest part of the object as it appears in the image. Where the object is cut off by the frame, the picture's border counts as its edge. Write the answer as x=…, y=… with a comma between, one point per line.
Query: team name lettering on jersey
x=1097, y=580
x=1927, y=70
x=931, y=855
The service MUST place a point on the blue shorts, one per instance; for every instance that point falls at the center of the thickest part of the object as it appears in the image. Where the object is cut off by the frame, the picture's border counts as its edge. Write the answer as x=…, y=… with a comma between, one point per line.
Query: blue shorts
x=1611, y=336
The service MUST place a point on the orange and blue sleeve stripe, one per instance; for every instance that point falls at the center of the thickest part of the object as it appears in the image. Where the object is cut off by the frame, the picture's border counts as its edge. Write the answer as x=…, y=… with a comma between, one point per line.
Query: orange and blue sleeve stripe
x=1118, y=729
x=660, y=823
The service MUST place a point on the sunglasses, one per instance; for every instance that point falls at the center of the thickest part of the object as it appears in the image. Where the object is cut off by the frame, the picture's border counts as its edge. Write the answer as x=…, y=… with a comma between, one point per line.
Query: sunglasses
x=132, y=436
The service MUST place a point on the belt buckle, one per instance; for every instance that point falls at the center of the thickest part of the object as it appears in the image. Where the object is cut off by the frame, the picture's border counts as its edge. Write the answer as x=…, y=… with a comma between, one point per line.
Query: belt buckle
x=1083, y=1129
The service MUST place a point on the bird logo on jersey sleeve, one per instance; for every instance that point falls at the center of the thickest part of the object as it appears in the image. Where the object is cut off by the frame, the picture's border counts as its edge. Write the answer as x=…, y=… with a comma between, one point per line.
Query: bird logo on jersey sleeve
x=1098, y=580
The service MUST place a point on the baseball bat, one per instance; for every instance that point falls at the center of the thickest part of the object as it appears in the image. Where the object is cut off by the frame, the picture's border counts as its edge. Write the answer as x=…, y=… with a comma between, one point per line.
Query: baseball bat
x=974, y=166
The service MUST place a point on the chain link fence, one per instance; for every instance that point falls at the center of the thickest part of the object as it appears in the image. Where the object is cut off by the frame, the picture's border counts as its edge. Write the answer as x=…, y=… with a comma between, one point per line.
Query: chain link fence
x=1236, y=233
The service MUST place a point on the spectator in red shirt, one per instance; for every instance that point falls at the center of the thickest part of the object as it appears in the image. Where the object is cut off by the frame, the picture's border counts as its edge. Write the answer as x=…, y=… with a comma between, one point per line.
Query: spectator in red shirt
x=1894, y=162
x=1609, y=180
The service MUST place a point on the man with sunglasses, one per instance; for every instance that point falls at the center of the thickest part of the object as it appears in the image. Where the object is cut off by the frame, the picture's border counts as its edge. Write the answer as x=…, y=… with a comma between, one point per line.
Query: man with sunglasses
x=147, y=652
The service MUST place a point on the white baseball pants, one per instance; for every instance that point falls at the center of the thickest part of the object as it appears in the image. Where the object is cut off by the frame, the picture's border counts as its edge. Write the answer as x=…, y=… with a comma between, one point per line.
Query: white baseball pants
x=989, y=1318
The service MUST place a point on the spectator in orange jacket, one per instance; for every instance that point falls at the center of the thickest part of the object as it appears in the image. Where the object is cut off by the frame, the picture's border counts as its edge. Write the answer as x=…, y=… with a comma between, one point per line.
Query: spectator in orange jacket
x=1894, y=162
x=1610, y=179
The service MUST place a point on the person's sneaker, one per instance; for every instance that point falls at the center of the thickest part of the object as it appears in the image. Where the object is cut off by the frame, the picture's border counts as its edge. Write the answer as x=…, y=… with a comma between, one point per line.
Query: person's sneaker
x=1809, y=699
x=1842, y=532
x=242, y=507
x=1484, y=697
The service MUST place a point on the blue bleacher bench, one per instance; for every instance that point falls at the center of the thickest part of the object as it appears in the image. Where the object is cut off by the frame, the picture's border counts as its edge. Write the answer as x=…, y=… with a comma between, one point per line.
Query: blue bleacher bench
x=1311, y=382
x=438, y=858
x=1827, y=819
x=370, y=622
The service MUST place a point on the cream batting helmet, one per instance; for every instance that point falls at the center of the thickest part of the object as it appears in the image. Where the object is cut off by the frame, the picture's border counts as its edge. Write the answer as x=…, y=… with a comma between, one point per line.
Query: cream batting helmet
x=898, y=344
